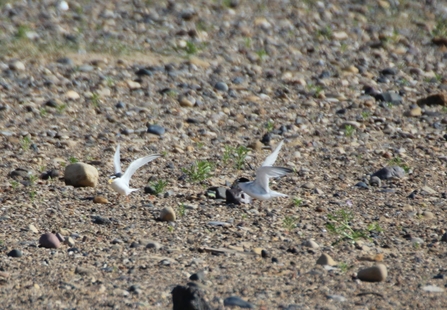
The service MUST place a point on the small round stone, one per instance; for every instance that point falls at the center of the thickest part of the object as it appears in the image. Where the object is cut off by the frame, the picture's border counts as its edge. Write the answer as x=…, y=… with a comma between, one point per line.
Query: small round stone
x=377, y=273
x=221, y=86
x=311, y=244
x=50, y=241
x=156, y=130
x=100, y=199
x=15, y=253
x=167, y=214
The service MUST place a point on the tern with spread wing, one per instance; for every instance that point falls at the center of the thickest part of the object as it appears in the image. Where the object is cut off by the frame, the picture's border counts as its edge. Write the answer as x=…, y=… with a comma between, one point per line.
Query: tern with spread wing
x=120, y=181
x=259, y=188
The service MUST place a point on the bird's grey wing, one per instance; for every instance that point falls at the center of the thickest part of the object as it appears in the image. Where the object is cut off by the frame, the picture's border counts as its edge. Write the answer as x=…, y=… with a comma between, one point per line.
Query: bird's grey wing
x=263, y=175
x=117, y=160
x=270, y=160
x=136, y=164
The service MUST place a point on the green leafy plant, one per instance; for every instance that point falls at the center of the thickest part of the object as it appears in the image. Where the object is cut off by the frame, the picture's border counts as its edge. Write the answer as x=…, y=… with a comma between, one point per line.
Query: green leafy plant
x=32, y=179
x=228, y=154
x=172, y=93
x=237, y=155
x=199, y=171
x=261, y=54
x=171, y=228
x=240, y=154
x=14, y=185
x=398, y=161
x=191, y=48
x=21, y=32
x=366, y=114
x=182, y=210
x=73, y=160
x=159, y=186
x=340, y=224
x=343, y=267
x=325, y=32
x=96, y=99
x=25, y=143
x=440, y=30
x=270, y=126
x=297, y=202
x=61, y=108
x=247, y=42
x=289, y=223
x=43, y=112
x=349, y=130
x=32, y=195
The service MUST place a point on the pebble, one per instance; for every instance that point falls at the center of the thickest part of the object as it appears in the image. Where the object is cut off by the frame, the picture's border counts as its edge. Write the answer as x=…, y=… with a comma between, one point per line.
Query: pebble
x=156, y=130
x=433, y=289
x=167, y=214
x=433, y=100
x=221, y=86
x=198, y=276
x=133, y=85
x=33, y=228
x=69, y=241
x=391, y=97
x=50, y=241
x=237, y=301
x=375, y=181
x=308, y=185
x=377, y=273
x=17, y=66
x=338, y=298
x=185, y=102
x=101, y=220
x=361, y=185
x=414, y=112
x=100, y=199
x=389, y=173
x=326, y=259
x=72, y=95
x=153, y=245
x=15, y=253
x=81, y=175
x=311, y=244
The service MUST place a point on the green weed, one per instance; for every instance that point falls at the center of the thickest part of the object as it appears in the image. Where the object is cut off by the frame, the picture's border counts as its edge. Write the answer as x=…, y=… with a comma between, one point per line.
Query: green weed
x=199, y=171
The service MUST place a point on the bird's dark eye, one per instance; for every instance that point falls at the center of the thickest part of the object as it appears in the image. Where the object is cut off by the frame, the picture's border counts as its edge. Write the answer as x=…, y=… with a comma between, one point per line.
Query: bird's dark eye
x=116, y=175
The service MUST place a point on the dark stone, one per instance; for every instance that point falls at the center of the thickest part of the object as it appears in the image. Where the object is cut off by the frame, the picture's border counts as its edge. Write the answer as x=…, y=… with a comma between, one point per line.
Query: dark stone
x=156, y=130
x=221, y=86
x=51, y=103
x=444, y=237
x=143, y=72
x=198, y=276
x=237, y=301
x=150, y=190
x=264, y=254
x=15, y=253
x=389, y=173
x=361, y=185
x=188, y=298
x=238, y=80
x=53, y=173
x=389, y=71
x=120, y=105
x=436, y=99
x=275, y=260
x=266, y=138
x=392, y=97
x=101, y=220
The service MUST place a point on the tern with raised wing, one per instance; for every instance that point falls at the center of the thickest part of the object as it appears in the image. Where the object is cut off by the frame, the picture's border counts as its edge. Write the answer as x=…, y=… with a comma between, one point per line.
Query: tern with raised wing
x=259, y=188
x=120, y=181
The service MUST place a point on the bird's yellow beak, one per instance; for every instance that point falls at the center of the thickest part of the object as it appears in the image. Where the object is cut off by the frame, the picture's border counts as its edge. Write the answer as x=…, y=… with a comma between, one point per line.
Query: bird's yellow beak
x=111, y=181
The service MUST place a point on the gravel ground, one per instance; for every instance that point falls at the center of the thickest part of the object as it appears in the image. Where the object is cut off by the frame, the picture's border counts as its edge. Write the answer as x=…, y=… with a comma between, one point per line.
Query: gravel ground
x=350, y=86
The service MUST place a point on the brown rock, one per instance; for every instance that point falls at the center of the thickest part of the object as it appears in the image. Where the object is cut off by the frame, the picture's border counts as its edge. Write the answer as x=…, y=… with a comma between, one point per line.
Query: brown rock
x=436, y=99
x=100, y=199
x=377, y=273
x=50, y=241
x=81, y=175
x=325, y=259
x=257, y=145
x=167, y=214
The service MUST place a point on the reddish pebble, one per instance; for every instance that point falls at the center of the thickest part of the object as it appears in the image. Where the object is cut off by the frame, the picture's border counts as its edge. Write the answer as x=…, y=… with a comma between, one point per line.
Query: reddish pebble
x=50, y=241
